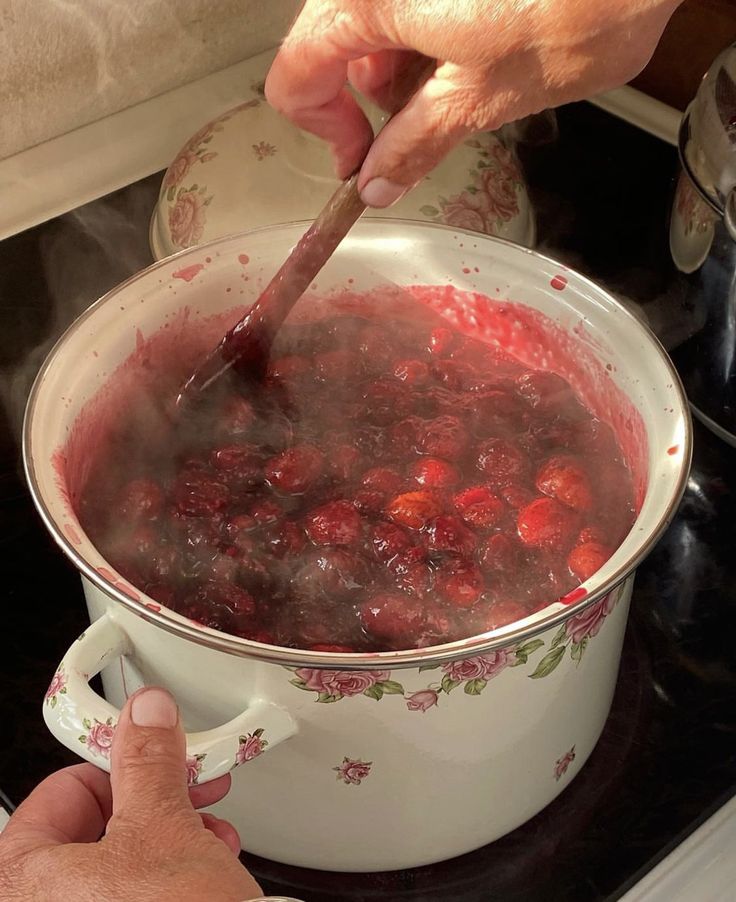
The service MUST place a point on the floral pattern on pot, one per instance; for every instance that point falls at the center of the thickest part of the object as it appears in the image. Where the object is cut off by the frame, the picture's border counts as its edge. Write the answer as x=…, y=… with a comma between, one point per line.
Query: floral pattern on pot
x=98, y=736
x=575, y=634
x=194, y=768
x=263, y=149
x=353, y=771
x=490, y=199
x=196, y=150
x=188, y=216
x=562, y=764
x=334, y=685
x=472, y=673
x=57, y=687
x=250, y=746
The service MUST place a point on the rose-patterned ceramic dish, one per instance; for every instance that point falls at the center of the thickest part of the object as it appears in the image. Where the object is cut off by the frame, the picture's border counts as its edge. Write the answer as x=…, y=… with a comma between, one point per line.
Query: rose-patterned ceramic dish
x=391, y=759
x=250, y=168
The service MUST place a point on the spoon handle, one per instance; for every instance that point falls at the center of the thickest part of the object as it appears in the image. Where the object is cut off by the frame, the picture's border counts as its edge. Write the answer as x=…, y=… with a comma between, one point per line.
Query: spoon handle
x=247, y=345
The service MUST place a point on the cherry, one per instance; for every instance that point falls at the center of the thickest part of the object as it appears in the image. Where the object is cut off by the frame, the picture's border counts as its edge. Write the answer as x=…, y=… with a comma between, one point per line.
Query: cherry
x=403, y=437
x=343, y=460
x=494, y=412
x=369, y=502
x=479, y=507
x=412, y=576
x=202, y=497
x=286, y=538
x=374, y=346
x=238, y=527
x=238, y=416
x=335, y=365
x=585, y=560
x=392, y=618
x=335, y=523
x=296, y=470
x=414, y=509
x=499, y=554
x=434, y=473
x=381, y=479
x=241, y=464
x=547, y=392
x=454, y=374
x=516, y=496
x=389, y=540
x=265, y=512
x=289, y=368
x=141, y=499
x=143, y=541
x=545, y=523
x=501, y=462
x=440, y=342
x=412, y=372
x=332, y=572
x=564, y=478
x=449, y=534
x=445, y=436
x=460, y=582
x=386, y=401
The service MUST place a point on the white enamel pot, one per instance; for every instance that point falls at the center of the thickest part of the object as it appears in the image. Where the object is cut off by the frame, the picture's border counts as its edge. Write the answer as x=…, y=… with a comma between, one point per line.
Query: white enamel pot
x=364, y=762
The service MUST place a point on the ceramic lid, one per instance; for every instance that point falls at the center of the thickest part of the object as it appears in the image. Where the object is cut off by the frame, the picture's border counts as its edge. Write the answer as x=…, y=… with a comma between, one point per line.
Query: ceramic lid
x=250, y=168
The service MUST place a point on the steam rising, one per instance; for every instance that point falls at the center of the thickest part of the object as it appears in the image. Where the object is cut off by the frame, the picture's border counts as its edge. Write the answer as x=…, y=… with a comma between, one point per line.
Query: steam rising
x=82, y=256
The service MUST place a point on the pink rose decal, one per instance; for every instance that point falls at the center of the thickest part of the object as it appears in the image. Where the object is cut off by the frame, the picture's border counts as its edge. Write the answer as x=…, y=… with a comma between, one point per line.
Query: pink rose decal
x=353, y=772
x=56, y=687
x=98, y=737
x=501, y=194
x=467, y=211
x=336, y=684
x=194, y=768
x=422, y=700
x=187, y=218
x=263, y=149
x=562, y=764
x=506, y=165
x=587, y=623
x=179, y=168
x=250, y=746
x=480, y=667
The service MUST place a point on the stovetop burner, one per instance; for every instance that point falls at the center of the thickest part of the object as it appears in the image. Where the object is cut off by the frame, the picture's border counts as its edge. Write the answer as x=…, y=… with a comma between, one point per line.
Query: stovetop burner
x=667, y=757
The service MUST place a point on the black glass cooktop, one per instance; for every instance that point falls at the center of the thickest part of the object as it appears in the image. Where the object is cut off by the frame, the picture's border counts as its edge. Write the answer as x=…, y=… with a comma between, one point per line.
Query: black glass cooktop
x=667, y=757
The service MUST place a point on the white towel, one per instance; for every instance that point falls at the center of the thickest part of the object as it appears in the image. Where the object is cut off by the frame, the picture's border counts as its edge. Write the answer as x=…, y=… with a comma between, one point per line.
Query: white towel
x=65, y=63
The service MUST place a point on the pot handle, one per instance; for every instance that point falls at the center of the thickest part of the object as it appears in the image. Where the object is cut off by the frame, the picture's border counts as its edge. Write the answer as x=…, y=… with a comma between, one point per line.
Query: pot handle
x=84, y=722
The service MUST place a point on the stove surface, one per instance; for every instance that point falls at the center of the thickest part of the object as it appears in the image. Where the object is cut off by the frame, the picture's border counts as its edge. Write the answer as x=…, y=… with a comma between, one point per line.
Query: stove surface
x=667, y=758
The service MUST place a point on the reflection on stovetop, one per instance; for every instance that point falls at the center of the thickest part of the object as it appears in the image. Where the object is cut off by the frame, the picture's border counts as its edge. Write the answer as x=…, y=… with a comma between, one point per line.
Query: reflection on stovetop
x=668, y=753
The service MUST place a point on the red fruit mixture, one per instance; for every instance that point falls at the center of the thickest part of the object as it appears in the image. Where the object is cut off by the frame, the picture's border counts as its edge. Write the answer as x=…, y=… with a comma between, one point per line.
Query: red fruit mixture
x=390, y=486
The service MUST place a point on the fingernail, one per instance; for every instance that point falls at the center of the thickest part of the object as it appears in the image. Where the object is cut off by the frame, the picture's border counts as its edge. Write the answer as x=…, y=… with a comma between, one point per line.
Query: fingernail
x=154, y=708
x=380, y=192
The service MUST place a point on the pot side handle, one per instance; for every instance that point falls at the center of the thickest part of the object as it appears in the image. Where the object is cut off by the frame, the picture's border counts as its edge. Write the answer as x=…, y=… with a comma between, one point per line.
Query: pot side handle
x=85, y=723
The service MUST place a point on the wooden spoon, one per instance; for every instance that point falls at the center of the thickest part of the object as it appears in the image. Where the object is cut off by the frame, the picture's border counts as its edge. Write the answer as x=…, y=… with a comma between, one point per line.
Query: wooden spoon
x=248, y=344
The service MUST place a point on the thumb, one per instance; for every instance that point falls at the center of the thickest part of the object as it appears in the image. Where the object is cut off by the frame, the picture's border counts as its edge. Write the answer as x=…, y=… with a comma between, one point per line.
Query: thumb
x=148, y=760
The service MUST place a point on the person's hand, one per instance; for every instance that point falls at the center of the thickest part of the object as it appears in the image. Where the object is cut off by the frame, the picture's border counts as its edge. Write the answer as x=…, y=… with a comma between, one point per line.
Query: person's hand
x=155, y=846
x=500, y=60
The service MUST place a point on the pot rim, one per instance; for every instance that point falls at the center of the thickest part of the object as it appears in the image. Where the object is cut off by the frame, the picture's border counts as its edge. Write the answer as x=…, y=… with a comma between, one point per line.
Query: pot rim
x=539, y=622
